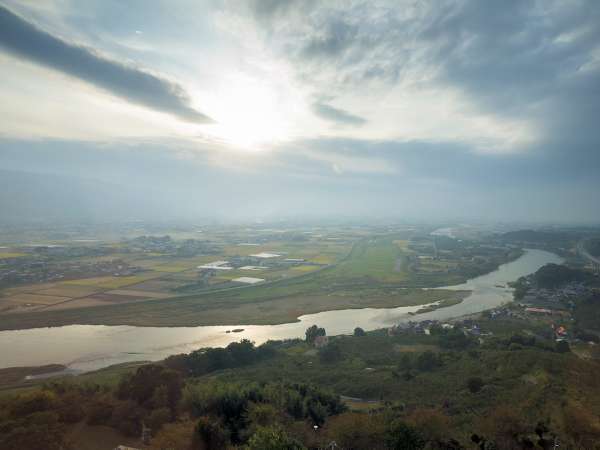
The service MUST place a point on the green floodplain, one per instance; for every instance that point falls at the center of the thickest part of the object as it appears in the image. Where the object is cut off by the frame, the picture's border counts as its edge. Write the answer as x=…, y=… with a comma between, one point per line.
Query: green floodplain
x=373, y=271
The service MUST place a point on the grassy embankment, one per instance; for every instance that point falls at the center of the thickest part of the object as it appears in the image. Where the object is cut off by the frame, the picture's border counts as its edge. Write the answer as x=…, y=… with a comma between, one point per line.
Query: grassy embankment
x=367, y=277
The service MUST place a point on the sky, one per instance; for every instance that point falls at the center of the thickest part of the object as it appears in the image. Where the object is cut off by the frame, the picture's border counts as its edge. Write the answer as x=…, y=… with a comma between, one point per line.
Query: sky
x=421, y=109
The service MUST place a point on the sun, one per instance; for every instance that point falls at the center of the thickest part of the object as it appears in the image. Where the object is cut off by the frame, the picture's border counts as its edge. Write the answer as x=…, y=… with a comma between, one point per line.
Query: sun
x=249, y=114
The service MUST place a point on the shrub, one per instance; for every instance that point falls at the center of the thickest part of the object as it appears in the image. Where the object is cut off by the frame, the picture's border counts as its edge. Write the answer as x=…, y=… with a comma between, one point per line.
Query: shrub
x=354, y=431
x=271, y=438
x=152, y=386
x=39, y=430
x=174, y=436
x=33, y=402
x=455, y=339
x=99, y=412
x=312, y=333
x=211, y=434
x=330, y=353
x=158, y=418
x=562, y=347
x=475, y=384
x=428, y=361
x=359, y=332
x=127, y=418
x=401, y=436
x=262, y=414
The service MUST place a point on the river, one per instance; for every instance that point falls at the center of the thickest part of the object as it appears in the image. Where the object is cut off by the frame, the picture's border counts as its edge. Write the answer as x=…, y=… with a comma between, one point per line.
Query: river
x=90, y=347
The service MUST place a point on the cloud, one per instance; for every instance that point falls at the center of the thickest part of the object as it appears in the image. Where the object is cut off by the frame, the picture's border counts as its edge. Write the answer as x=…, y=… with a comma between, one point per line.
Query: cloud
x=325, y=177
x=25, y=40
x=340, y=116
x=529, y=69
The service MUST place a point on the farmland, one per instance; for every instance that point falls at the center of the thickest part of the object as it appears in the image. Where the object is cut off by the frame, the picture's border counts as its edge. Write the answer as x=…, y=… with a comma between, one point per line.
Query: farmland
x=159, y=281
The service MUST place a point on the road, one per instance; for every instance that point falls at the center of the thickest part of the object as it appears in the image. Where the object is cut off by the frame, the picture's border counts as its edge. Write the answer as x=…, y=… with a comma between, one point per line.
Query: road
x=585, y=254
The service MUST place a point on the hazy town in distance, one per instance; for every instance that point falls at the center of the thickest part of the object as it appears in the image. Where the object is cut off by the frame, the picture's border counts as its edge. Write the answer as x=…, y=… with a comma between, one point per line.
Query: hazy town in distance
x=293, y=225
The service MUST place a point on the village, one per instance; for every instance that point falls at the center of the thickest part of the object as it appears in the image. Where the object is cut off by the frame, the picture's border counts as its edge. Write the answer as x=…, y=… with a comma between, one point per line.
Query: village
x=18, y=271
x=549, y=311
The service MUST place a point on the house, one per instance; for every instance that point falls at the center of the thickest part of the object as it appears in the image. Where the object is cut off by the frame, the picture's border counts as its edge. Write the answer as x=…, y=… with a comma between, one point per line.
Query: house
x=561, y=332
x=321, y=341
x=475, y=330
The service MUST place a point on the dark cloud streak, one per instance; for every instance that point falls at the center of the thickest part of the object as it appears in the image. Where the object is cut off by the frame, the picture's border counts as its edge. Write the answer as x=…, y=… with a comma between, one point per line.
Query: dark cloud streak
x=25, y=40
x=340, y=116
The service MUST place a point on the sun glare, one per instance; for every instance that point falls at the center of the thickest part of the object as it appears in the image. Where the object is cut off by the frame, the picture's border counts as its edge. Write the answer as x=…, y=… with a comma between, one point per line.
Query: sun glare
x=248, y=113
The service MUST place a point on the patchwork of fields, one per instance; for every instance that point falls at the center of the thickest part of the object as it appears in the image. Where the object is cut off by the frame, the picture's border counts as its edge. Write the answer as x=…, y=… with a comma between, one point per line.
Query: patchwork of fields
x=291, y=274
x=164, y=275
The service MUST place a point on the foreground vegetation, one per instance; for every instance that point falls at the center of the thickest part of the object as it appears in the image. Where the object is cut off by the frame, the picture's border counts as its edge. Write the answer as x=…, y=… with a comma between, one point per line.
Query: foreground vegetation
x=514, y=388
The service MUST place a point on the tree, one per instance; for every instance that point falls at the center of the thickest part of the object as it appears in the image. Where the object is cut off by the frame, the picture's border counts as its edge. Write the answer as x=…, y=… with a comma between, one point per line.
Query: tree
x=127, y=418
x=33, y=402
x=174, y=436
x=211, y=434
x=242, y=353
x=262, y=414
x=317, y=412
x=504, y=427
x=358, y=331
x=39, y=430
x=152, y=386
x=455, y=339
x=272, y=438
x=475, y=384
x=356, y=431
x=100, y=411
x=330, y=353
x=158, y=418
x=405, y=362
x=312, y=333
x=562, y=347
x=401, y=436
x=428, y=361
x=432, y=424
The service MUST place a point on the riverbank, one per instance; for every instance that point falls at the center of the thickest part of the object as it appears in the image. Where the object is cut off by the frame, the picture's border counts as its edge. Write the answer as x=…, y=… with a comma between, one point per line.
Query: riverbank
x=18, y=377
x=207, y=311
x=447, y=302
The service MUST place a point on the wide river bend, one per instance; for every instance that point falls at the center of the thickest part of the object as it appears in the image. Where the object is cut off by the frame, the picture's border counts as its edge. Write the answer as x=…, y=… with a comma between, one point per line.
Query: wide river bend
x=90, y=347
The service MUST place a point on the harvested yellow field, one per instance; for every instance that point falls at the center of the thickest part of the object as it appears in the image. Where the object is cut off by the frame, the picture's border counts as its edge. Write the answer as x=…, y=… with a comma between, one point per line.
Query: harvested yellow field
x=110, y=282
x=242, y=250
x=6, y=255
x=77, y=303
x=68, y=291
x=403, y=244
x=303, y=269
x=134, y=293
x=173, y=268
x=28, y=288
x=36, y=299
x=322, y=259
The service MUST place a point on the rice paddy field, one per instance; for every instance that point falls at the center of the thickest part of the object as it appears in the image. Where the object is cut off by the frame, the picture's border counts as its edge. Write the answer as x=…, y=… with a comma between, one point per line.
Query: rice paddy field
x=163, y=274
x=301, y=273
